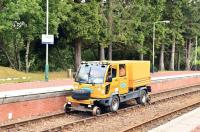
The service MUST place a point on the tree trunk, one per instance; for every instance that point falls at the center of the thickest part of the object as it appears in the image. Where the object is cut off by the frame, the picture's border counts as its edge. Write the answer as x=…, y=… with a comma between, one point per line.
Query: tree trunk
x=19, y=61
x=173, y=54
x=102, y=53
x=188, y=55
x=141, y=56
x=7, y=56
x=110, y=21
x=5, y=53
x=179, y=60
x=110, y=52
x=27, y=55
x=141, y=52
x=77, y=53
x=17, y=55
x=162, y=65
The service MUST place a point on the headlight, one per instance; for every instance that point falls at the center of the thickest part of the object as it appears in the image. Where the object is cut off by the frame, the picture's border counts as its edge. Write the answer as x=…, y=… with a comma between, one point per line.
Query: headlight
x=89, y=106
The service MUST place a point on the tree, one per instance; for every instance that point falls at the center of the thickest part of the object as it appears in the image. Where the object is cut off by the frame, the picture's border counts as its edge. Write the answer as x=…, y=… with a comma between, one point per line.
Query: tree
x=25, y=19
x=191, y=26
x=82, y=26
x=174, y=14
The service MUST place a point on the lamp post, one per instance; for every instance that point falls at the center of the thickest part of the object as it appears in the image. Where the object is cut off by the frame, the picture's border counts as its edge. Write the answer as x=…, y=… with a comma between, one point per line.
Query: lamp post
x=154, y=29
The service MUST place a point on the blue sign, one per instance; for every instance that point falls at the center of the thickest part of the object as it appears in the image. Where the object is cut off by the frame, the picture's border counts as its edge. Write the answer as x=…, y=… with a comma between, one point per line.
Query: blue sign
x=123, y=85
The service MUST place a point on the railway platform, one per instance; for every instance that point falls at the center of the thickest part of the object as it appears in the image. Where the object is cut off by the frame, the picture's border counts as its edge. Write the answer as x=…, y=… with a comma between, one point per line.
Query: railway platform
x=188, y=122
x=66, y=82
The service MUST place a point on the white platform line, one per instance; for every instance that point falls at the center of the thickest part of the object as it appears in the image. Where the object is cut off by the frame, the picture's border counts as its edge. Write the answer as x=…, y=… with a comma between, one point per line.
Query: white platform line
x=156, y=79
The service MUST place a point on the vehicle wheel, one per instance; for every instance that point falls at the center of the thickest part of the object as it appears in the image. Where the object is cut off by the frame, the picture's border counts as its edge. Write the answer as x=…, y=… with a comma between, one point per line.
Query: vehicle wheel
x=67, y=108
x=114, y=104
x=143, y=98
x=96, y=111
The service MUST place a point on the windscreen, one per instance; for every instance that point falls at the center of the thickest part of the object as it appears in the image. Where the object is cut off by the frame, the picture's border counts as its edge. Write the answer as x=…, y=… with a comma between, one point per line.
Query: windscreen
x=91, y=74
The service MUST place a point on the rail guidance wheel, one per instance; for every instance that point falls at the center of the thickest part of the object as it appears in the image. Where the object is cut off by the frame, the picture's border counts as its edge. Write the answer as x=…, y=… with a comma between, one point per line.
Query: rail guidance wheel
x=143, y=99
x=66, y=108
x=96, y=111
x=114, y=104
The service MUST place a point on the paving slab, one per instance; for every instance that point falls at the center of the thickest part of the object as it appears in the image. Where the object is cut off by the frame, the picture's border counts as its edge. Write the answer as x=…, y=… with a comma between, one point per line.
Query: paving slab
x=34, y=85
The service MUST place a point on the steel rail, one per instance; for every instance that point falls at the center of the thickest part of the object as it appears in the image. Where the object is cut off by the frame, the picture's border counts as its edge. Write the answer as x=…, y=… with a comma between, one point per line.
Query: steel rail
x=25, y=122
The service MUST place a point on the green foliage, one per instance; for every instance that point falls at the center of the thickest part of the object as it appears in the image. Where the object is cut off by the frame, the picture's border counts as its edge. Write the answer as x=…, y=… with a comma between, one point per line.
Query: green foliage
x=127, y=24
x=83, y=21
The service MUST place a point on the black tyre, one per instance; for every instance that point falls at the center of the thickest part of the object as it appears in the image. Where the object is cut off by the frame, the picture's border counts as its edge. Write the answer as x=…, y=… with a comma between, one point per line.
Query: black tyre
x=96, y=111
x=114, y=106
x=67, y=108
x=143, y=99
x=81, y=94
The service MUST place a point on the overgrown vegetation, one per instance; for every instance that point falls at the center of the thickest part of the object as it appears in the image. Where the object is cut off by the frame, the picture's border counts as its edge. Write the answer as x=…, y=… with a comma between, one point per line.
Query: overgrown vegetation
x=98, y=30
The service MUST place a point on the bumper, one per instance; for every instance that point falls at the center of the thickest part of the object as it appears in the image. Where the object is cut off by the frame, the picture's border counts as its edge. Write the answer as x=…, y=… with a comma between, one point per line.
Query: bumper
x=85, y=108
x=85, y=105
x=74, y=101
x=79, y=105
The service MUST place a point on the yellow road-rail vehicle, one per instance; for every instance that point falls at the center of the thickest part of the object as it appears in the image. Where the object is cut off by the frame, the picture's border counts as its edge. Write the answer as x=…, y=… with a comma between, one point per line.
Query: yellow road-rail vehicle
x=105, y=84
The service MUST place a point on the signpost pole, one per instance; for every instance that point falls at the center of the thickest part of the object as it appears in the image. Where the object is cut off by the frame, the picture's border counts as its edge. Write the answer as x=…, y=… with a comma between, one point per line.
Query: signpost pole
x=47, y=46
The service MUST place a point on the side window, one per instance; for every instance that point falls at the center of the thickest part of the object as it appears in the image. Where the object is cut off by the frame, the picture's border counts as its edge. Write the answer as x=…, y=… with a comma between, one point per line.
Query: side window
x=112, y=72
x=122, y=70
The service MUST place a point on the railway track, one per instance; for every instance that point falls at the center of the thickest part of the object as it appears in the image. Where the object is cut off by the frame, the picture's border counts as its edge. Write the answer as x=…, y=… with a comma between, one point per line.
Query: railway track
x=10, y=126
x=144, y=125
x=91, y=119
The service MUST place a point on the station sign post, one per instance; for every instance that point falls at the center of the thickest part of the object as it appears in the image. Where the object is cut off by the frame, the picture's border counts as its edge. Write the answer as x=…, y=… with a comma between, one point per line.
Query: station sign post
x=47, y=39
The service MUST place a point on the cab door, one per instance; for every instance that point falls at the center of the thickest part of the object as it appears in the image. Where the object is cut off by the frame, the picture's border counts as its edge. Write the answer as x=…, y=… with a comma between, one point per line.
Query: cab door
x=112, y=83
x=122, y=79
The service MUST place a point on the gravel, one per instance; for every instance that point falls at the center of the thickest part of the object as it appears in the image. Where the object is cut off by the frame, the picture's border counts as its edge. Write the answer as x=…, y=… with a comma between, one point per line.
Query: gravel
x=174, y=93
x=52, y=122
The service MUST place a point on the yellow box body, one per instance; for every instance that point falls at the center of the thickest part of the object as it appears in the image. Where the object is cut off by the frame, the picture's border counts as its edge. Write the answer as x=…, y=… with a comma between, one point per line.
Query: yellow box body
x=137, y=75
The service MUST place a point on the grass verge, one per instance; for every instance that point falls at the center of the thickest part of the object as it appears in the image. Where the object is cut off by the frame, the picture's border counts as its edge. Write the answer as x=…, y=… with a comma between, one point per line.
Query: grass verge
x=9, y=75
